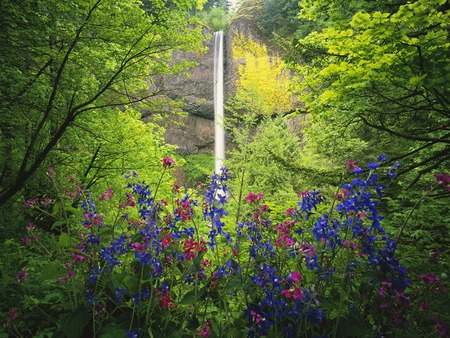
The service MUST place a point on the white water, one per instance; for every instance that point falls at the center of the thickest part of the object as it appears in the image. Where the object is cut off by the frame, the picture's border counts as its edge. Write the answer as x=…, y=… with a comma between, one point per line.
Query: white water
x=219, y=129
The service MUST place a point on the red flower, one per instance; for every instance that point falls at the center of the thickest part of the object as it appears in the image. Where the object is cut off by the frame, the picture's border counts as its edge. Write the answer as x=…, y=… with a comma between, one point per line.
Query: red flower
x=165, y=302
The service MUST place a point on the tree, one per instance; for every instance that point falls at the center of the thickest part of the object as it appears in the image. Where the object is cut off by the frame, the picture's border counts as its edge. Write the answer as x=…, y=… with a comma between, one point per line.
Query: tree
x=210, y=4
x=279, y=17
x=384, y=76
x=62, y=61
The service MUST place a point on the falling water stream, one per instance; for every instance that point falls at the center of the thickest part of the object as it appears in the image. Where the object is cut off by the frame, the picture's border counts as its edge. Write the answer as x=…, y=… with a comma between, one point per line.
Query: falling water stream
x=219, y=128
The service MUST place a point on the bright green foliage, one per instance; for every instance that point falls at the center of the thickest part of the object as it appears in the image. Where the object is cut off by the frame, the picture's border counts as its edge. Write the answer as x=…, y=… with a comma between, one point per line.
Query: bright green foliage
x=216, y=19
x=263, y=84
x=210, y=4
x=267, y=159
x=384, y=76
x=198, y=168
x=65, y=60
x=105, y=146
x=337, y=14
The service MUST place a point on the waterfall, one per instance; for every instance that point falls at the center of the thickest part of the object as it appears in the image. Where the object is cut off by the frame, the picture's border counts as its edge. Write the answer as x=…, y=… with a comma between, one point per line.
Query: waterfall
x=219, y=128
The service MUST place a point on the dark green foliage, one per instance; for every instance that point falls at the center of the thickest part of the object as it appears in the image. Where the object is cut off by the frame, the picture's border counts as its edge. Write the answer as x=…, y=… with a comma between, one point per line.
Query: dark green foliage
x=279, y=17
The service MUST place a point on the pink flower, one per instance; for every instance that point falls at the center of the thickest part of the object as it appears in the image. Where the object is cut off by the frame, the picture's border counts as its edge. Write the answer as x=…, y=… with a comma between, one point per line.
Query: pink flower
x=350, y=245
x=429, y=279
x=294, y=293
x=76, y=257
x=350, y=165
x=441, y=329
x=51, y=172
x=205, y=329
x=425, y=306
x=167, y=162
x=107, y=194
x=302, y=193
x=296, y=277
x=22, y=275
x=289, y=212
x=256, y=317
x=129, y=203
x=444, y=180
x=381, y=292
x=31, y=202
x=252, y=197
x=166, y=303
x=12, y=315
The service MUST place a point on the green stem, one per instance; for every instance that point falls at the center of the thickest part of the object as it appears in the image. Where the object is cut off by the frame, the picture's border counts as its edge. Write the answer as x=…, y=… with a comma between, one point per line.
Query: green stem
x=150, y=303
x=411, y=212
x=139, y=292
x=341, y=298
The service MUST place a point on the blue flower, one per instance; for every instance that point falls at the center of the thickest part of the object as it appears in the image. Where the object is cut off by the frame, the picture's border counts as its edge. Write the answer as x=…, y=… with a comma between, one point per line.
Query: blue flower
x=133, y=334
x=373, y=166
x=119, y=293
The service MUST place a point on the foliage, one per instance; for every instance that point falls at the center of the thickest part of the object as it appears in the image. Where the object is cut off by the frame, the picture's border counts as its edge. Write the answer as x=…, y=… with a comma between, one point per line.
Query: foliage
x=263, y=84
x=181, y=267
x=216, y=19
x=279, y=17
x=210, y=4
x=63, y=61
x=381, y=76
x=198, y=167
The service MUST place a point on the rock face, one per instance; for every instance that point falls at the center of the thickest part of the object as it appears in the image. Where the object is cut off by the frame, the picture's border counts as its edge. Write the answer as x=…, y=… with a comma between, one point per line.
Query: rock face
x=193, y=133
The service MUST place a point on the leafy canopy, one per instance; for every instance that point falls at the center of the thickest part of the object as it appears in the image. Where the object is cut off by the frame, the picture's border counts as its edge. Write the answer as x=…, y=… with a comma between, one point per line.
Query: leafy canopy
x=61, y=61
x=387, y=73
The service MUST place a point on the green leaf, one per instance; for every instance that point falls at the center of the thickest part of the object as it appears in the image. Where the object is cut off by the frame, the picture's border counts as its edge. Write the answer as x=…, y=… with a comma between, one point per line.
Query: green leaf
x=189, y=298
x=73, y=323
x=233, y=284
x=58, y=224
x=64, y=240
x=52, y=271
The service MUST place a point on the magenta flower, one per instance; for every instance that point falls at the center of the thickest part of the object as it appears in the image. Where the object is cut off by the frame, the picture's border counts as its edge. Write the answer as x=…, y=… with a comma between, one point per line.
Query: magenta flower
x=51, y=172
x=296, y=277
x=167, y=162
x=205, y=329
x=129, y=203
x=429, y=279
x=256, y=317
x=252, y=197
x=295, y=293
x=22, y=275
x=107, y=194
x=12, y=315
x=444, y=180
x=351, y=166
